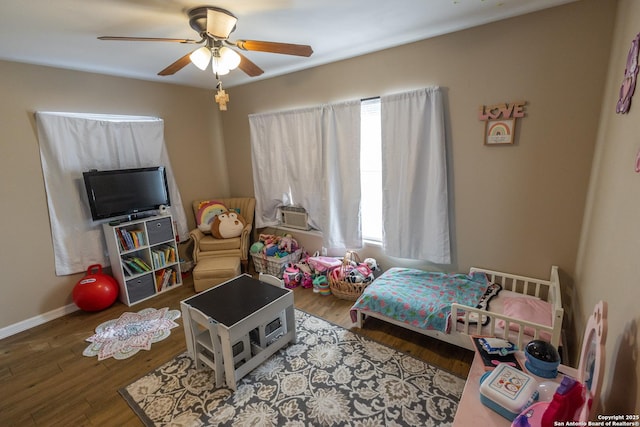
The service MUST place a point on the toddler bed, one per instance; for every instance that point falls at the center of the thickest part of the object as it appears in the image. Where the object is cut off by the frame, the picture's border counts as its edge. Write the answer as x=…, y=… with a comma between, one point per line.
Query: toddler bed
x=451, y=307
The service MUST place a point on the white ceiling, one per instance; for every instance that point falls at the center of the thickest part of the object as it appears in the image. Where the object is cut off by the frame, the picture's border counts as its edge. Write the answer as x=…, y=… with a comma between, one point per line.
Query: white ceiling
x=62, y=33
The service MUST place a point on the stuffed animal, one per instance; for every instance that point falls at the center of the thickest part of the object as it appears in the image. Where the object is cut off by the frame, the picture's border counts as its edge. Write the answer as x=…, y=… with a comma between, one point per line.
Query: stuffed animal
x=227, y=224
x=307, y=280
x=207, y=211
x=288, y=243
x=270, y=250
x=268, y=239
x=372, y=263
x=257, y=248
x=360, y=274
x=307, y=276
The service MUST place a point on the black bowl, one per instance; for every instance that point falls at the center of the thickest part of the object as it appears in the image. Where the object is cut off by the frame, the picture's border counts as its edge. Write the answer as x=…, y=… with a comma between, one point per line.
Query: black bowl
x=543, y=351
x=542, y=359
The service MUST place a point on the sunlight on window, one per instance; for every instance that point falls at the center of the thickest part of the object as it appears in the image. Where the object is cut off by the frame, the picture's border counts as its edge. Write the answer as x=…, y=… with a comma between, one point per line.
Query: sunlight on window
x=371, y=170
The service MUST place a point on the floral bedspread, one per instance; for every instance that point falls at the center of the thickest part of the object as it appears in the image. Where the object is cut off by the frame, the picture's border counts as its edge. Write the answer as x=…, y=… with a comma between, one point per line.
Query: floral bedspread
x=420, y=298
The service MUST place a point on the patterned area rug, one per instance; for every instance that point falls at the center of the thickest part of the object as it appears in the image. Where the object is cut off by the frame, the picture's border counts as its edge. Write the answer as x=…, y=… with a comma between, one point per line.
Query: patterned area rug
x=131, y=332
x=330, y=377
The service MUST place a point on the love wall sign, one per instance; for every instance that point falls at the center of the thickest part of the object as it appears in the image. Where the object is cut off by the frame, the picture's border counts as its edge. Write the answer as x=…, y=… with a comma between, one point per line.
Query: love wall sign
x=500, y=121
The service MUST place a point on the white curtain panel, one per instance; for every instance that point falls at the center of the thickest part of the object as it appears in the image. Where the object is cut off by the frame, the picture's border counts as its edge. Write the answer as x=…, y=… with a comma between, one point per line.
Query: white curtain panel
x=415, y=210
x=286, y=153
x=310, y=157
x=74, y=143
x=341, y=224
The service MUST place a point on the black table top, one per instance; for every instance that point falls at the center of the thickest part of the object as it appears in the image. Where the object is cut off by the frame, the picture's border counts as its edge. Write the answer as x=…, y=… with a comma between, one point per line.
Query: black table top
x=233, y=301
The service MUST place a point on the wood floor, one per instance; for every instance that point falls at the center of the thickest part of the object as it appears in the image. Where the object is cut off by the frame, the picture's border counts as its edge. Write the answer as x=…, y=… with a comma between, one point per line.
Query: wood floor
x=46, y=381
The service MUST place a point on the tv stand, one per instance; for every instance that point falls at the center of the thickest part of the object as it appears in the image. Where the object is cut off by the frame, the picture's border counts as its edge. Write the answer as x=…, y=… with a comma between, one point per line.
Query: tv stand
x=144, y=256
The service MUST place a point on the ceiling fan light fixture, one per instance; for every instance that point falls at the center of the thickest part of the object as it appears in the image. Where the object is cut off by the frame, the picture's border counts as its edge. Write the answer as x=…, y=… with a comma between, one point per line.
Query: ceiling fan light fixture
x=201, y=57
x=218, y=67
x=230, y=58
x=220, y=23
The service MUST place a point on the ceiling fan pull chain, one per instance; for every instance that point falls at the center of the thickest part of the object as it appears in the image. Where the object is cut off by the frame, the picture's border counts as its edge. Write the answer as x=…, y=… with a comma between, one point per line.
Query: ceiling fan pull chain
x=221, y=97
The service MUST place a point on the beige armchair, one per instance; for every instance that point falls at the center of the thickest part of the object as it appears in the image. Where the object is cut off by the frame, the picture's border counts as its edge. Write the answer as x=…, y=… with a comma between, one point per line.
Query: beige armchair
x=206, y=245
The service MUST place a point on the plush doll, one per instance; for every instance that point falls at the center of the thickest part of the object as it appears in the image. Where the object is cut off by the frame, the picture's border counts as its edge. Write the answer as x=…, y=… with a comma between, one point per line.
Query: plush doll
x=360, y=274
x=288, y=243
x=227, y=224
x=268, y=239
x=354, y=276
x=307, y=280
x=207, y=211
x=307, y=276
x=257, y=248
x=270, y=249
x=372, y=263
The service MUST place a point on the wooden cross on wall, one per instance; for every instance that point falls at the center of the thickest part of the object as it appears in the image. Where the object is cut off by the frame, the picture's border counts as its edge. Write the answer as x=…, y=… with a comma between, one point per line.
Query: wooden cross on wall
x=222, y=98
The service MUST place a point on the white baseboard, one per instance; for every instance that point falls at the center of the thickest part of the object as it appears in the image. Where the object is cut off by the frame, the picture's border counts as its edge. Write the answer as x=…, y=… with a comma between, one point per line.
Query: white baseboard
x=7, y=331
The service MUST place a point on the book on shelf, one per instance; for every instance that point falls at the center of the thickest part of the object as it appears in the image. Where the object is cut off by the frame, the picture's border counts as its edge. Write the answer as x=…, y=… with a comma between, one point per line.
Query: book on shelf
x=163, y=279
x=163, y=256
x=141, y=263
x=157, y=258
x=121, y=240
x=166, y=280
x=490, y=361
x=138, y=237
x=126, y=268
x=159, y=274
x=133, y=265
x=137, y=264
x=128, y=239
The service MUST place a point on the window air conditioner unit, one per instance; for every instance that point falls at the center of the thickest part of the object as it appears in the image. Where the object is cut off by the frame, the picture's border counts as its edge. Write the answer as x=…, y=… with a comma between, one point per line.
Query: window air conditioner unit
x=294, y=217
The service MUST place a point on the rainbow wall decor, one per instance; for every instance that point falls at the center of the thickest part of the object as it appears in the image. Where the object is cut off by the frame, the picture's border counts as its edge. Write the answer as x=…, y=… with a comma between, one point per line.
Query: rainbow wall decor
x=500, y=131
x=500, y=121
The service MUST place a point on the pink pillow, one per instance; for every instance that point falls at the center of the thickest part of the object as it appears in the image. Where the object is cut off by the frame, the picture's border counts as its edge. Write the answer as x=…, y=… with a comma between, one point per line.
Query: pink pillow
x=529, y=309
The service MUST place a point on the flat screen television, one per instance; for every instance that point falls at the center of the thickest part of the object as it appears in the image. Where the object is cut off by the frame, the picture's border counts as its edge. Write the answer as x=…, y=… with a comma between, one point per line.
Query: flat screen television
x=126, y=192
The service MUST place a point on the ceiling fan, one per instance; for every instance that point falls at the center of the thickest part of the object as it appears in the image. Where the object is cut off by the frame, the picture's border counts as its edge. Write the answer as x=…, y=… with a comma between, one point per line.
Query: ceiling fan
x=214, y=25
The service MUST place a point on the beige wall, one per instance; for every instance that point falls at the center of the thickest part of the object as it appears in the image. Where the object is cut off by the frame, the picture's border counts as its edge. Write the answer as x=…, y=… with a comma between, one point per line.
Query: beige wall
x=516, y=208
x=608, y=265
x=29, y=287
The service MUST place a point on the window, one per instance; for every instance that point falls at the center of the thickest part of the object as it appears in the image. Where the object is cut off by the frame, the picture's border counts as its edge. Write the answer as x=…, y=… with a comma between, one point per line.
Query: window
x=401, y=134
x=371, y=170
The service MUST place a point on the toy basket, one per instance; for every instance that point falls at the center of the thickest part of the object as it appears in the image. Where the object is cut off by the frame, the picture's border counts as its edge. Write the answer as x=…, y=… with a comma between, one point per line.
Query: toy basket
x=274, y=265
x=341, y=288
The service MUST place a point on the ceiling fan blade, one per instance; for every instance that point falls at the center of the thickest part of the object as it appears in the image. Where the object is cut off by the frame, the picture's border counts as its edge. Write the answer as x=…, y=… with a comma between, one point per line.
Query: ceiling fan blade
x=274, y=47
x=148, y=39
x=249, y=68
x=176, y=66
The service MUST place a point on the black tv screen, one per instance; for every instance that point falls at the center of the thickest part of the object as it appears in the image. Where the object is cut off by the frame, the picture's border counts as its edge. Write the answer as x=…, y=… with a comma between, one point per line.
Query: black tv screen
x=122, y=192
